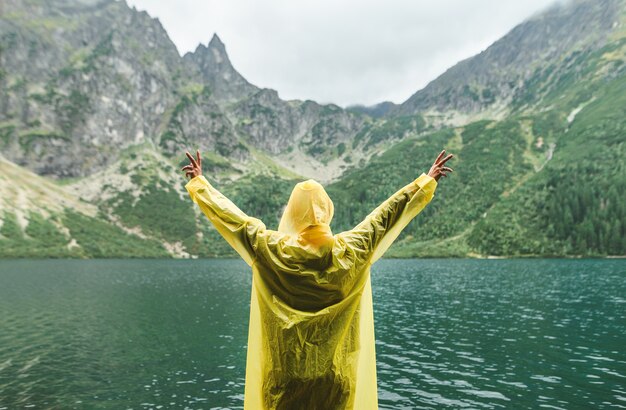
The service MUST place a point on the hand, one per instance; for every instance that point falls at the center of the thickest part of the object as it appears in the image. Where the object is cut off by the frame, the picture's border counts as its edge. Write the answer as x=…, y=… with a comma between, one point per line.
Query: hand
x=438, y=169
x=194, y=169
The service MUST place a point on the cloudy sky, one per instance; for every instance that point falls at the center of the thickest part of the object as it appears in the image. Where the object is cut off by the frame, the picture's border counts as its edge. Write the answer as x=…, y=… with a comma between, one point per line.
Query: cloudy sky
x=342, y=51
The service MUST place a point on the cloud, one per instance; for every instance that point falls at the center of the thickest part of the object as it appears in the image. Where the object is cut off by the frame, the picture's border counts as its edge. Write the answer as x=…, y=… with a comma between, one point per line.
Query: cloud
x=345, y=52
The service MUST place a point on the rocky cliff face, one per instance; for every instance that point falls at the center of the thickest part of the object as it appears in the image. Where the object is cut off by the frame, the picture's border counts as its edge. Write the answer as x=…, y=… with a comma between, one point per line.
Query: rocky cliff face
x=308, y=130
x=212, y=65
x=84, y=80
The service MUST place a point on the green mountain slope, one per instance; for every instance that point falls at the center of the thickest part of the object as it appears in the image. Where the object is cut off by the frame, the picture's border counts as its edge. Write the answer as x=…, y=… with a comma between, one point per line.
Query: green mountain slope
x=537, y=183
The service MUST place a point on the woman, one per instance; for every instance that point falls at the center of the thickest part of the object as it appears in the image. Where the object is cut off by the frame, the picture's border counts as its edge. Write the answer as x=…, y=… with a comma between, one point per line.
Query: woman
x=311, y=334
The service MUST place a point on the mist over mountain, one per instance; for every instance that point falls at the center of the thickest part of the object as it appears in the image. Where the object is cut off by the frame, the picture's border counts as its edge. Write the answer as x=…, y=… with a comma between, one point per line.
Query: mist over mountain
x=97, y=108
x=375, y=111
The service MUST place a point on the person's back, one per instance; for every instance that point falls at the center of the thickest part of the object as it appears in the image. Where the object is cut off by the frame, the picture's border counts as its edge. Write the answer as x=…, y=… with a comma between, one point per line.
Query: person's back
x=309, y=303
x=309, y=285
x=311, y=335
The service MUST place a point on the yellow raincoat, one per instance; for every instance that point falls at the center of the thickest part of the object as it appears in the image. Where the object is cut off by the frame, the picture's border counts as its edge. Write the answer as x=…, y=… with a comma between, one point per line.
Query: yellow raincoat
x=311, y=335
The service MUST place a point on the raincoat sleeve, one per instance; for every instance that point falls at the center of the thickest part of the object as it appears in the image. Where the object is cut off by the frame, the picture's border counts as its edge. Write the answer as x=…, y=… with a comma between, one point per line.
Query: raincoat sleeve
x=240, y=230
x=376, y=233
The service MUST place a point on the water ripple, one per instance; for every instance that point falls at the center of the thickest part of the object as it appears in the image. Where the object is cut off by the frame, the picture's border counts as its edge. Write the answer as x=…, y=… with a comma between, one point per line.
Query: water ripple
x=450, y=333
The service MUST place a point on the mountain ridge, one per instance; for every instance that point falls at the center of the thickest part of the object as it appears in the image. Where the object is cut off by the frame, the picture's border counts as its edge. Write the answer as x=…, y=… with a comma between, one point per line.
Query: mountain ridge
x=489, y=80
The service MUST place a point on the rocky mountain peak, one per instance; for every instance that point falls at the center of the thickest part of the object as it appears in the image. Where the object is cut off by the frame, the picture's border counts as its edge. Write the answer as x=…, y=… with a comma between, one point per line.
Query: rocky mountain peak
x=214, y=67
x=217, y=46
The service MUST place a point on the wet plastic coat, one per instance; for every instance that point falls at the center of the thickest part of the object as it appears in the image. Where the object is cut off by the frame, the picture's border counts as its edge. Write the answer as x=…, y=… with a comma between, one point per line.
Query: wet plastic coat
x=311, y=334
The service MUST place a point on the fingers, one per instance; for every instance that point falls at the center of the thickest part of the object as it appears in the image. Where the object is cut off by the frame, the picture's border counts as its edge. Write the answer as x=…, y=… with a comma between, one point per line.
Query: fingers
x=191, y=159
x=438, y=171
x=187, y=167
x=444, y=171
x=441, y=154
x=189, y=174
x=443, y=161
x=199, y=159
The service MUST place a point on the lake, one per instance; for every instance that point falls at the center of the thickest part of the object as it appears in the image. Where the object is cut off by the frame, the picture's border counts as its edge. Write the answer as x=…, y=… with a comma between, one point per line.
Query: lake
x=142, y=334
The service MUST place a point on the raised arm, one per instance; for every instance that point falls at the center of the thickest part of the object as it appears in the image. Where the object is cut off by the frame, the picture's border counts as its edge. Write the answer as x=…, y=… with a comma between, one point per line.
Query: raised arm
x=240, y=230
x=372, y=237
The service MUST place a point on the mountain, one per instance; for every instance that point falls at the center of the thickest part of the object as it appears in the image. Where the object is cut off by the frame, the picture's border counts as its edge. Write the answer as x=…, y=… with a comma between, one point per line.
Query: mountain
x=213, y=66
x=107, y=77
x=542, y=48
x=97, y=106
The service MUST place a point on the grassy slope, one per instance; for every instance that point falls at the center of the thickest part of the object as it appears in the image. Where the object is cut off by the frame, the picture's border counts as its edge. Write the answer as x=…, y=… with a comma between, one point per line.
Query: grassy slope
x=507, y=198
x=481, y=149
x=39, y=218
x=575, y=204
x=71, y=234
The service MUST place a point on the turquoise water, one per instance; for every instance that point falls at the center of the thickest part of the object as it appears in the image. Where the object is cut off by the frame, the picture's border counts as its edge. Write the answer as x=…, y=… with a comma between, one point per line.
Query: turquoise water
x=450, y=333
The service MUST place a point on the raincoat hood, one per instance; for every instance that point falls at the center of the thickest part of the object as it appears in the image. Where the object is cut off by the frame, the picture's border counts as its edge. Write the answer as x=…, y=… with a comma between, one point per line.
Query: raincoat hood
x=308, y=212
